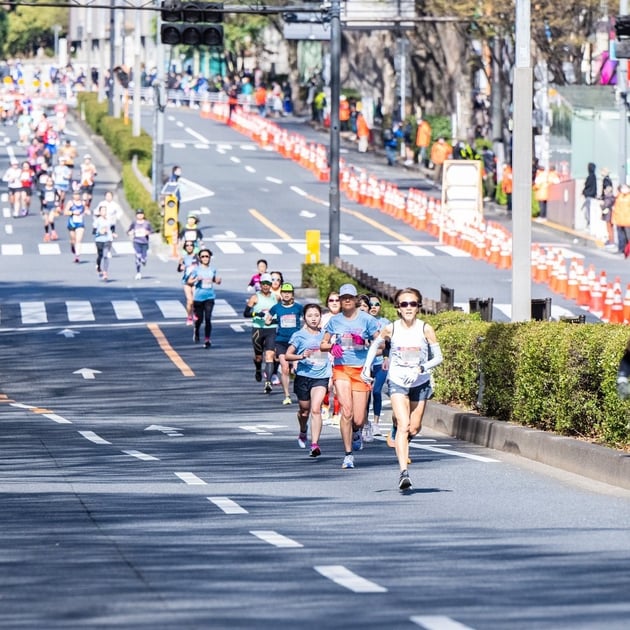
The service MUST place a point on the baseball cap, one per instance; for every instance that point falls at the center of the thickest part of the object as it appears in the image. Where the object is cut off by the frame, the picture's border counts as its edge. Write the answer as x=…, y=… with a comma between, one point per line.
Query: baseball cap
x=348, y=289
x=139, y=211
x=287, y=286
x=266, y=277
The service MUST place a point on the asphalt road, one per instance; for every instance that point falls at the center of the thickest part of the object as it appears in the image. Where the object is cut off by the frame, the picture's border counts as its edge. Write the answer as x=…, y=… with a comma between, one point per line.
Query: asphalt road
x=148, y=482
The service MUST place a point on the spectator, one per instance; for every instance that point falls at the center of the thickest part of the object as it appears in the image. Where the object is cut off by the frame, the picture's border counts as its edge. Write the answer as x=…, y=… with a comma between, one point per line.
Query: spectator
x=545, y=177
x=621, y=219
x=589, y=192
x=507, y=184
x=440, y=152
x=423, y=140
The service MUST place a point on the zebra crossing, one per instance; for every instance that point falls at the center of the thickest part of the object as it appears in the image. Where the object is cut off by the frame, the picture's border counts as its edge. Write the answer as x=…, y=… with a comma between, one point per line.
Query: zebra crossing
x=68, y=312
x=55, y=249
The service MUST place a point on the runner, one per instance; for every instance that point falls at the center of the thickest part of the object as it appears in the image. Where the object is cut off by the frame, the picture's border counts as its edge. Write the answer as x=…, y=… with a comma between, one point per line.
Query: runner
x=88, y=174
x=50, y=204
x=187, y=263
x=287, y=314
x=312, y=375
x=75, y=210
x=203, y=277
x=277, y=280
x=103, y=237
x=263, y=334
x=140, y=230
x=12, y=177
x=254, y=282
x=333, y=304
x=379, y=374
x=191, y=232
x=414, y=353
x=345, y=337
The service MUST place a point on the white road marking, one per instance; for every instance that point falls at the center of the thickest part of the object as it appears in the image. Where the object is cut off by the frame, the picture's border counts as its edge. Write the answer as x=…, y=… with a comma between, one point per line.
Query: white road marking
x=275, y=539
x=140, y=455
x=88, y=248
x=8, y=228
x=49, y=249
x=307, y=214
x=201, y=145
x=300, y=248
x=254, y=429
x=379, y=250
x=80, y=311
x=436, y=449
x=273, y=180
x=267, y=248
x=87, y=373
x=344, y=250
x=123, y=247
x=93, y=437
x=250, y=169
x=414, y=250
x=6, y=213
x=11, y=250
x=190, y=478
x=248, y=147
x=237, y=328
x=178, y=145
x=223, y=309
x=55, y=418
x=197, y=135
x=452, y=251
x=227, y=505
x=228, y=247
x=298, y=191
x=438, y=622
x=172, y=309
x=346, y=578
x=170, y=431
x=33, y=312
x=126, y=309
x=22, y=406
x=235, y=159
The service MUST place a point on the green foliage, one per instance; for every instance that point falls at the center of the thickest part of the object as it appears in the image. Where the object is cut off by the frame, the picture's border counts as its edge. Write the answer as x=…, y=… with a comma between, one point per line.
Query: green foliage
x=30, y=27
x=499, y=196
x=124, y=145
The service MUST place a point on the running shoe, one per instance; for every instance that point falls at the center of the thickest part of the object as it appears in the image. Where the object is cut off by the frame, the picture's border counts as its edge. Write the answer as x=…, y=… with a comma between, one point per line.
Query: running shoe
x=315, y=450
x=258, y=375
x=302, y=440
x=76, y=259
x=189, y=321
x=207, y=343
x=357, y=442
x=368, y=435
x=391, y=438
x=404, y=483
x=268, y=387
x=376, y=429
x=275, y=380
x=54, y=236
x=348, y=461
x=138, y=276
x=287, y=400
x=46, y=237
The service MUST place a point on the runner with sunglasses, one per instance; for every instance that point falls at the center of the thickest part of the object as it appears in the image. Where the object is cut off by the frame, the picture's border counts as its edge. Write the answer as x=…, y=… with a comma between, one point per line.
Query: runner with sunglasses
x=346, y=336
x=414, y=353
x=202, y=278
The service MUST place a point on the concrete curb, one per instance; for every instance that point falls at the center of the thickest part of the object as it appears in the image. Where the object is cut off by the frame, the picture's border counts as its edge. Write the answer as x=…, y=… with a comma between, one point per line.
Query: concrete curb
x=582, y=458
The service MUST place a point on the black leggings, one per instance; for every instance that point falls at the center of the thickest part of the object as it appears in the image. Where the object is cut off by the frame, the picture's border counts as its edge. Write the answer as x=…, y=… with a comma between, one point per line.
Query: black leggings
x=203, y=311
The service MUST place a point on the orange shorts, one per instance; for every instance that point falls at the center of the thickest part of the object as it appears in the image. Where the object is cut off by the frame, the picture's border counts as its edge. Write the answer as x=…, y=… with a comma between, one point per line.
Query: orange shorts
x=353, y=375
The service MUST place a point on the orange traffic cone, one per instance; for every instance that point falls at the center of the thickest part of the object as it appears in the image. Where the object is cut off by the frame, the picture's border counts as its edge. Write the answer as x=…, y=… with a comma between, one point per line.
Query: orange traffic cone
x=626, y=305
x=616, y=311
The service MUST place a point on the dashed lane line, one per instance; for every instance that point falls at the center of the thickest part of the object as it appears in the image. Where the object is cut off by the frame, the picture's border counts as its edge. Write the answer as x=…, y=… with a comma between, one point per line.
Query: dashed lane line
x=143, y=456
x=227, y=505
x=438, y=622
x=190, y=479
x=346, y=578
x=276, y=539
x=93, y=437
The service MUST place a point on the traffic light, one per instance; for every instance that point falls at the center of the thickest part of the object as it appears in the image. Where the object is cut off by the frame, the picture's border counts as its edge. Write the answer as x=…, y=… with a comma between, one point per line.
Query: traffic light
x=192, y=23
x=622, y=31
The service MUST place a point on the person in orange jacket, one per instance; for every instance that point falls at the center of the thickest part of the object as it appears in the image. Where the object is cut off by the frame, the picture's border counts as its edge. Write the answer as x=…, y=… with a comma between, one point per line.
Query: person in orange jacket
x=507, y=184
x=544, y=179
x=621, y=219
x=363, y=132
x=440, y=152
x=423, y=140
x=344, y=113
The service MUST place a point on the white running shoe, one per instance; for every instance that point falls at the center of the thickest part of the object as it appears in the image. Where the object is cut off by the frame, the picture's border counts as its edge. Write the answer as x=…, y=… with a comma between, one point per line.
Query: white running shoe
x=368, y=435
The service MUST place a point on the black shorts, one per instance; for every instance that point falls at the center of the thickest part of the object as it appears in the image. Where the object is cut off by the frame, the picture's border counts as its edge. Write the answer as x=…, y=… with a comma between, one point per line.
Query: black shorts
x=303, y=385
x=263, y=340
x=281, y=347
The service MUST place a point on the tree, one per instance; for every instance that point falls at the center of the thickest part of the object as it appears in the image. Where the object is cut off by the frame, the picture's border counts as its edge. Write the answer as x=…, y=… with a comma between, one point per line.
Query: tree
x=31, y=27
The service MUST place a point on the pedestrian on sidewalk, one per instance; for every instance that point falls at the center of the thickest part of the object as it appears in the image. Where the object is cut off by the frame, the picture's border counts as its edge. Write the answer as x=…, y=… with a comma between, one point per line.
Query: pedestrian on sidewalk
x=545, y=177
x=391, y=136
x=621, y=219
x=423, y=140
x=440, y=152
x=589, y=192
x=363, y=132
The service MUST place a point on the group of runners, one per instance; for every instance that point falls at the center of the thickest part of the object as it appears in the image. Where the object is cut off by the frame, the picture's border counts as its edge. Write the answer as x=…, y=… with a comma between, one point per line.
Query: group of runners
x=346, y=351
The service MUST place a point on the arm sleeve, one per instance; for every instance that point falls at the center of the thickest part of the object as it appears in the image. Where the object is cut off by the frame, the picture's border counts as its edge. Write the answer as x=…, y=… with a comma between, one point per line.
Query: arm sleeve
x=436, y=358
x=371, y=355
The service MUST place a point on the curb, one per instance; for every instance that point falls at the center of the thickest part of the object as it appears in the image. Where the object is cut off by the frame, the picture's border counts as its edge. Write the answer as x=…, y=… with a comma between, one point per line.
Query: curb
x=593, y=461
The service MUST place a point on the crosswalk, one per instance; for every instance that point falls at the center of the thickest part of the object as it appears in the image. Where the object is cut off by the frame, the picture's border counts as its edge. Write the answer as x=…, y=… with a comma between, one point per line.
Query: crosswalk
x=68, y=312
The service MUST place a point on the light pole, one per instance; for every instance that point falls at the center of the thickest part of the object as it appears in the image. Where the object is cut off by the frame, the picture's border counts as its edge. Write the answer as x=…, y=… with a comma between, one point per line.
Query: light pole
x=334, y=219
x=522, y=167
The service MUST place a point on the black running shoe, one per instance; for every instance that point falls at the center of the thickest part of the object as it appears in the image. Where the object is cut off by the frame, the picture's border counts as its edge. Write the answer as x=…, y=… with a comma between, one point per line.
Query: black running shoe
x=258, y=376
x=404, y=483
x=196, y=336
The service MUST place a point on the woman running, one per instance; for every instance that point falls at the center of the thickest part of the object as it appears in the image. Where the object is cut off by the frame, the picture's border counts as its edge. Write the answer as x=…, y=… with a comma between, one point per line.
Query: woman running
x=187, y=263
x=203, y=277
x=75, y=210
x=414, y=353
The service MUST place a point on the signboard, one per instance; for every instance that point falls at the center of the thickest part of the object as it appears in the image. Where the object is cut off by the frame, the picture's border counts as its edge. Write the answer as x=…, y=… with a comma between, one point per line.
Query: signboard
x=462, y=191
x=365, y=13
x=307, y=30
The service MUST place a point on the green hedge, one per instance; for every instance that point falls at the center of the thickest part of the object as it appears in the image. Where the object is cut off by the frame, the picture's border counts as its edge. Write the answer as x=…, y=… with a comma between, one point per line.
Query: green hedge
x=546, y=375
x=118, y=136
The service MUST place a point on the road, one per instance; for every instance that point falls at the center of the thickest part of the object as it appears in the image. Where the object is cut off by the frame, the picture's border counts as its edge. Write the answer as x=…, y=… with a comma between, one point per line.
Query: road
x=148, y=482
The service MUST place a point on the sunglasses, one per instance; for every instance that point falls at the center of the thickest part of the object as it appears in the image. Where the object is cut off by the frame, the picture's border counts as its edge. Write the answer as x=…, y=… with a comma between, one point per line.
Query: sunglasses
x=333, y=300
x=375, y=303
x=266, y=282
x=413, y=304
x=204, y=256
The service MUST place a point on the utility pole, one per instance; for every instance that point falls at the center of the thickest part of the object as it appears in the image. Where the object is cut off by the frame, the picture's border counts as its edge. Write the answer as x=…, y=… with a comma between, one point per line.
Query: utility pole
x=522, y=167
x=159, y=103
x=112, y=57
x=335, y=93
x=622, y=83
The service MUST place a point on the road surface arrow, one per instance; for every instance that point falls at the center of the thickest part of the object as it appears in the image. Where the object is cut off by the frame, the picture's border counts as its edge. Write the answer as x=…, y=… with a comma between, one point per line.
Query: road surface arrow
x=67, y=332
x=171, y=431
x=87, y=373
